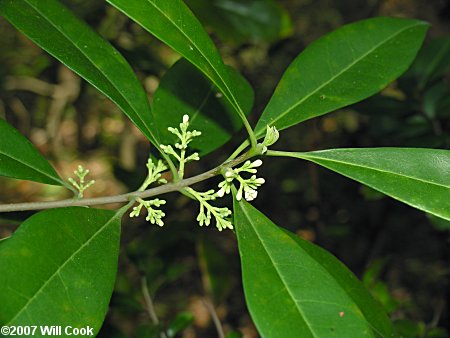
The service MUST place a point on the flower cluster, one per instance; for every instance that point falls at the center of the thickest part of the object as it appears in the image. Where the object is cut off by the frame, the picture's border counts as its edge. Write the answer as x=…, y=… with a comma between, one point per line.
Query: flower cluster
x=185, y=137
x=247, y=187
x=154, y=215
x=207, y=211
x=81, y=186
x=154, y=173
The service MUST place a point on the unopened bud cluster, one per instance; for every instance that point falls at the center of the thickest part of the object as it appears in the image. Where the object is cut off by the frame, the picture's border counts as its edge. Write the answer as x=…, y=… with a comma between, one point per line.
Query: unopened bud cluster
x=81, y=185
x=154, y=215
x=207, y=210
x=185, y=137
x=247, y=186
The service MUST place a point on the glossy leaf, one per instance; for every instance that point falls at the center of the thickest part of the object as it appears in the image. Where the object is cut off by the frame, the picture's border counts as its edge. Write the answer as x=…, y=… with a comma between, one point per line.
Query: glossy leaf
x=20, y=159
x=59, y=267
x=341, y=68
x=418, y=177
x=55, y=29
x=296, y=289
x=242, y=21
x=185, y=90
x=173, y=23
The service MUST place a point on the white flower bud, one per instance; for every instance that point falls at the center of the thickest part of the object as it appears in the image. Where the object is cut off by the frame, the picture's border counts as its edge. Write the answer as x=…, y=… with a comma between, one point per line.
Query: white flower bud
x=256, y=163
x=239, y=195
x=260, y=180
x=193, y=157
x=185, y=118
x=221, y=192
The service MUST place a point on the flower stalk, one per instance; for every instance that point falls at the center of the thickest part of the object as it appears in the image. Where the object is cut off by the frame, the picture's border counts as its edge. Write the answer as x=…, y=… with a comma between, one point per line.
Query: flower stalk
x=185, y=137
x=81, y=186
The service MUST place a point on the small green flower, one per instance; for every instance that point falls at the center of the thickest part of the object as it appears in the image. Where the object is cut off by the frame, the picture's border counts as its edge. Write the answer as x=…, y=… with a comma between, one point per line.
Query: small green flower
x=81, y=186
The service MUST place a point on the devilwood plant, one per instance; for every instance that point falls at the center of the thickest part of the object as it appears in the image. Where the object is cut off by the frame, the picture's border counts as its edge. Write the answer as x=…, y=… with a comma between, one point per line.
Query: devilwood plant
x=59, y=267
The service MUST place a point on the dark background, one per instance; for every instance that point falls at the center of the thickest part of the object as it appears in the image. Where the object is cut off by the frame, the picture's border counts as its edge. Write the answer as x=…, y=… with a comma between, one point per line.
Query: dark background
x=400, y=253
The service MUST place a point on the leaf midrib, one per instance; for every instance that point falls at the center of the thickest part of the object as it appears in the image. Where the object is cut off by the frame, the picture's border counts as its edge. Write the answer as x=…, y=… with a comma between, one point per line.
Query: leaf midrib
x=281, y=115
x=101, y=72
x=35, y=169
x=61, y=267
x=286, y=285
x=374, y=169
x=303, y=301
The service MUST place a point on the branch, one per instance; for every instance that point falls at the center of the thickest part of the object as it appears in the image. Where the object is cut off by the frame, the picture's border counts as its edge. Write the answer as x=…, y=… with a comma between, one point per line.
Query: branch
x=124, y=198
x=149, y=304
x=212, y=311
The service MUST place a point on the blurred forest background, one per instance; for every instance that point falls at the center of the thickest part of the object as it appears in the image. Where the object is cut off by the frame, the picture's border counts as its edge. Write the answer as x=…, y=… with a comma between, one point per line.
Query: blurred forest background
x=190, y=276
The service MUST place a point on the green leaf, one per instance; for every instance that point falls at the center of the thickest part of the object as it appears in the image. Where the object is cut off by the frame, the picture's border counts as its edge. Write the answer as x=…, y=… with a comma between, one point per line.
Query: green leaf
x=179, y=323
x=418, y=177
x=147, y=331
x=55, y=29
x=185, y=90
x=432, y=61
x=296, y=289
x=409, y=329
x=341, y=68
x=243, y=20
x=234, y=334
x=20, y=159
x=173, y=23
x=435, y=99
x=59, y=268
x=3, y=239
x=439, y=223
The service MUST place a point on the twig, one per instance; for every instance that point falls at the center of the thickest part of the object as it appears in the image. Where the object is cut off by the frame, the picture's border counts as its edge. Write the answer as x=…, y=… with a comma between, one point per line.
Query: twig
x=149, y=304
x=439, y=309
x=29, y=84
x=215, y=318
x=123, y=198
